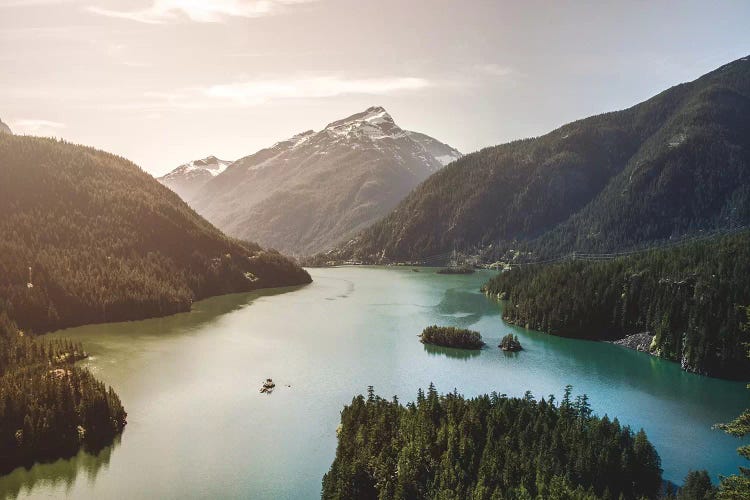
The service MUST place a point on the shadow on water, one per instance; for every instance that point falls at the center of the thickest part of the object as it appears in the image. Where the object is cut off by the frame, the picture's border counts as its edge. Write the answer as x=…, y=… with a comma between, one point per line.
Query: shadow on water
x=451, y=352
x=464, y=308
x=510, y=354
x=202, y=314
x=60, y=474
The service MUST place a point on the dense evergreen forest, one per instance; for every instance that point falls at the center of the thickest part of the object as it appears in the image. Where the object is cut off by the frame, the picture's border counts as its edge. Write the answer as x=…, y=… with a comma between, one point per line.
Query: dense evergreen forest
x=737, y=487
x=49, y=408
x=488, y=447
x=450, y=336
x=87, y=236
x=672, y=165
x=689, y=297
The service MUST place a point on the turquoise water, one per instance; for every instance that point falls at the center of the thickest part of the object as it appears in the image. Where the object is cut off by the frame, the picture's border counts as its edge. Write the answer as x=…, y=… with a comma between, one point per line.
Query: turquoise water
x=198, y=427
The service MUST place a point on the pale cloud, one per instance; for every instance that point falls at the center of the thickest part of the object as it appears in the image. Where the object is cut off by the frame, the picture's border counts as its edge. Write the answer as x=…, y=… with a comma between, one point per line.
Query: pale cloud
x=257, y=92
x=34, y=126
x=201, y=11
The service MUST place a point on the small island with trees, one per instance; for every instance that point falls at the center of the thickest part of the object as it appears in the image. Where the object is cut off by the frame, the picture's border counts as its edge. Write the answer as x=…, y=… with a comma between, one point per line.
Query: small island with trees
x=450, y=336
x=510, y=343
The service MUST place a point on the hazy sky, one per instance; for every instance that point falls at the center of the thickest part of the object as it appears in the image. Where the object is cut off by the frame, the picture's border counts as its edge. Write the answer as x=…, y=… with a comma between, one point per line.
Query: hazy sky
x=166, y=81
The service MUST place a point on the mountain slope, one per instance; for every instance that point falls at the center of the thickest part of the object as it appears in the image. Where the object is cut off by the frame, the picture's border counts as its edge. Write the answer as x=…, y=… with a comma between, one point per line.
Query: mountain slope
x=187, y=179
x=305, y=194
x=671, y=165
x=442, y=152
x=5, y=129
x=87, y=237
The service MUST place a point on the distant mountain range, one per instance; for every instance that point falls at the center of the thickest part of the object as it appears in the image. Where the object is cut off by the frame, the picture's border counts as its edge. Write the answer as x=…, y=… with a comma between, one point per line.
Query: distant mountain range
x=186, y=180
x=88, y=237
x=675, y=164
x=316, y=189
x=5, y=129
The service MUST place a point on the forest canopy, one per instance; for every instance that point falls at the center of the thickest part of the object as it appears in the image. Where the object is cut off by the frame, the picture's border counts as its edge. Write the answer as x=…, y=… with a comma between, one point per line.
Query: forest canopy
x=491, y=446
x=450, y=336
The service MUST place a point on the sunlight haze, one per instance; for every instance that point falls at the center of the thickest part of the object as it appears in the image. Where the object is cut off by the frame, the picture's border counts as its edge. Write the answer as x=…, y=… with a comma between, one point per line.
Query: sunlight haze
x=162, y=82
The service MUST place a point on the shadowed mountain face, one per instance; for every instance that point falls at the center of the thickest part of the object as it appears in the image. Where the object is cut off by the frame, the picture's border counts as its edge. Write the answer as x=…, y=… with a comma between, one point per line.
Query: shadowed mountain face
x=306, y=194
x=88, y=237
x=187, y=179
x=5, y=129
x=672, y=165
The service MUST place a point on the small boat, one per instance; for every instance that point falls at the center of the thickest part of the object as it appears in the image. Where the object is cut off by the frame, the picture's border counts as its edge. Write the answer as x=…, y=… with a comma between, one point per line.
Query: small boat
x=267, y=387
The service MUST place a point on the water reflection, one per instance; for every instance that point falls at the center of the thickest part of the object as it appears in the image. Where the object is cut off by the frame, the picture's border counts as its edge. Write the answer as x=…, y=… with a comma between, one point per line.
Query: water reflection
x=59, y=475
x=451, y=352
x=463, y=308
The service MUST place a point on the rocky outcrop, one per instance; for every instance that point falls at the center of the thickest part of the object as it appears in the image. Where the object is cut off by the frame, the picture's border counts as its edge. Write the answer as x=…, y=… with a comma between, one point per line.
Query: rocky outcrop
x=638, y=341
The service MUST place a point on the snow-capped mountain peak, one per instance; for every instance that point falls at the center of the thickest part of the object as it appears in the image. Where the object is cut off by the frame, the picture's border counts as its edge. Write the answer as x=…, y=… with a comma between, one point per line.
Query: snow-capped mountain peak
x=305, y=193
x=374, y=123
x=189, y=177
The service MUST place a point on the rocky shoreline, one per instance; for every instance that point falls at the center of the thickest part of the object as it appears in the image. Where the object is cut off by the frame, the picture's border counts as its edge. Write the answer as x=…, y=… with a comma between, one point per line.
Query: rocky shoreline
x=637, y=341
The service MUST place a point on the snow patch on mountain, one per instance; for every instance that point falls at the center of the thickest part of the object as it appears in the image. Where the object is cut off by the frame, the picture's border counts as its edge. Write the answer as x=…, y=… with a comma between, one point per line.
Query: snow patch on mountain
x=211, y=165
x=188, y=178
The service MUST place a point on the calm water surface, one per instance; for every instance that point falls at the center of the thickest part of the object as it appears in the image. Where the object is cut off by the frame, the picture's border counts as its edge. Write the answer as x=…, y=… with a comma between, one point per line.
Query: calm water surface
x=198, y=428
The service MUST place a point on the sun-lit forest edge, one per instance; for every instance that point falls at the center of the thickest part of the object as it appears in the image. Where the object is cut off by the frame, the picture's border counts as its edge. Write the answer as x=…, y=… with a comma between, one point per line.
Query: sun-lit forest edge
x=89, y=237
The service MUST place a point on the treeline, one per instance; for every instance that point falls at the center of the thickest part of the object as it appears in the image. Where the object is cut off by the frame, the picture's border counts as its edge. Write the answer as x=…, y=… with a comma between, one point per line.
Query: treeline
x=690, y=298
x=87, y=236
x=49, y=408
x=450, y=336
x=488, y=447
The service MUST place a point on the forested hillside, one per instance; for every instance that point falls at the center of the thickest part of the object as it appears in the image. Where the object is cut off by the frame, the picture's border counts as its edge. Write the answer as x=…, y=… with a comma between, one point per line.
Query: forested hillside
x=49, y=408
x=672, y=165
x=86, y=236
x=487, y=447
x=690, y=297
